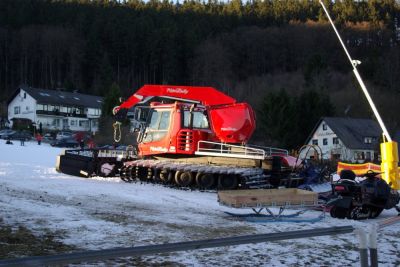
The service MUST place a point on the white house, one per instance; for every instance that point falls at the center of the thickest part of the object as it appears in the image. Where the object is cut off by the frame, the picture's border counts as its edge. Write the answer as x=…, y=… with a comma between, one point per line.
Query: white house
x=55, y=109
x=346, y=139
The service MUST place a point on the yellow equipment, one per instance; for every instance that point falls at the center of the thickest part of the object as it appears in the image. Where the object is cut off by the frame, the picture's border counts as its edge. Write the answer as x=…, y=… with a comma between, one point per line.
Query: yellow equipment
x=389, y=165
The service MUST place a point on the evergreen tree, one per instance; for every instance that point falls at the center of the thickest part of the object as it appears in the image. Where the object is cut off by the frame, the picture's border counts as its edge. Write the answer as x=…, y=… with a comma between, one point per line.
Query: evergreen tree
x=111, y=100
x=287, y=120
x=106, y=130
x=277, y=117
x=310, y=106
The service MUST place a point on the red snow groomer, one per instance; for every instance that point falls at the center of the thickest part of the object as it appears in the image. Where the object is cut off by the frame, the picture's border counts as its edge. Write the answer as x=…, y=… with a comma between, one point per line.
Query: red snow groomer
x=187, y=136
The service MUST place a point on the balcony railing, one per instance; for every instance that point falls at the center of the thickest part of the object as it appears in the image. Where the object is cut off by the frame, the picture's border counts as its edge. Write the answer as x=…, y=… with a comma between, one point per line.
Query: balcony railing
x=61, y=114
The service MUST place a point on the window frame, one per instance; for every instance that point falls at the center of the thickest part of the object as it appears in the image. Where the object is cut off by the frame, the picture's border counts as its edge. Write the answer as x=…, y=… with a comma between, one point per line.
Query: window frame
x=325, y=141
x=314, y=142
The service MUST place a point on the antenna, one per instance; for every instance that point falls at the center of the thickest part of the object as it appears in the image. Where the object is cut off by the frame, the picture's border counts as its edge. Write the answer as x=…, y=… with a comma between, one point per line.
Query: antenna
x=354, y=63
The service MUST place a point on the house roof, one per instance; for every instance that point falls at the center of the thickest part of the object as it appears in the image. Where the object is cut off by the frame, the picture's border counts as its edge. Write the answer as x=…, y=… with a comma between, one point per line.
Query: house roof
x=352, y=131
x=56, y=97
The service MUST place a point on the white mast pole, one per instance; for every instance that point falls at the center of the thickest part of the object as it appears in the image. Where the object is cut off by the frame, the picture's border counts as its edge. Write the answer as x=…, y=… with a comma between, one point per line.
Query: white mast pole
x=354, y=63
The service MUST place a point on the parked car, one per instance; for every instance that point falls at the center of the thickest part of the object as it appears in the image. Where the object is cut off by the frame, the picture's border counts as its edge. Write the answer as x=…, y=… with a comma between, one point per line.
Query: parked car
x=20, y=135
x=5, y=132
x=63, y=134
x=65, y=142
x=48, y=138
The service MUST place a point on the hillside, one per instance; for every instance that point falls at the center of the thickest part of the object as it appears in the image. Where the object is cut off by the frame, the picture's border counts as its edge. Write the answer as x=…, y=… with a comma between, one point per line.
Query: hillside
x=248, y=49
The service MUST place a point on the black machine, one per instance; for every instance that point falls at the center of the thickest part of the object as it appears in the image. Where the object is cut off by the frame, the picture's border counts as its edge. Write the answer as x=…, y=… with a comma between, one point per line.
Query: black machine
x=361, y=200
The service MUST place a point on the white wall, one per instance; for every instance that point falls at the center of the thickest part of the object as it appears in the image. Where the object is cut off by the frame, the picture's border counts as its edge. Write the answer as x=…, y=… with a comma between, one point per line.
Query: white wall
x=26, y=104
x=320, y=134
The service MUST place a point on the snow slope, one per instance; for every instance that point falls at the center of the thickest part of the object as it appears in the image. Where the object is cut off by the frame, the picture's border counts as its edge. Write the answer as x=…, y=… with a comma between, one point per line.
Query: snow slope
x=103, y=213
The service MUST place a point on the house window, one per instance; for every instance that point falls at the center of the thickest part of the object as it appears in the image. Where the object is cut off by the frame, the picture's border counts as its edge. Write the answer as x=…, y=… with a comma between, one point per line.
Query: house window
x=335, y=140
x=368, y=140
x=359, y=155
x=324, y=127
x=56, y=122
x=83, y=123
x=368, y=155
x=315, y=142
x=325, y=141
x=17, y=110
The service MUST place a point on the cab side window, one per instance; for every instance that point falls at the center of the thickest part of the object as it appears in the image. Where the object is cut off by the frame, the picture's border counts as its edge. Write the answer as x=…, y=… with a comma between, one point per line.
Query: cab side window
x=200, y=120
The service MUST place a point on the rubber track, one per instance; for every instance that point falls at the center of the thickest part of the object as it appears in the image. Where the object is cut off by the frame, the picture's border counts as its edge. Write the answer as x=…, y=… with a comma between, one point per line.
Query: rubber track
x=248, y=177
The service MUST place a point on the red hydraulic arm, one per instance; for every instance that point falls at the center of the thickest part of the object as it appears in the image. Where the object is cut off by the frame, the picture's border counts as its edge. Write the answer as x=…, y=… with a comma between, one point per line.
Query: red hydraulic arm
x=207, y=96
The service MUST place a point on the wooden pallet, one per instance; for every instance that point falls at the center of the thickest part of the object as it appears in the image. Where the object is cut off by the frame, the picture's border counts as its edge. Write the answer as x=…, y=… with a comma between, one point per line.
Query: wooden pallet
x=287, y=197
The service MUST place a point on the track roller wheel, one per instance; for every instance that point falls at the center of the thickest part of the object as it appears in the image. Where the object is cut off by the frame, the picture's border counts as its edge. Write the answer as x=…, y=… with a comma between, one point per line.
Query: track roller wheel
x=166, y=176
x=124, y=174
x=131, y=173
x=227, y=182
x=184, y=178
x=141, y=173
x=205, y=180
x=150, y=173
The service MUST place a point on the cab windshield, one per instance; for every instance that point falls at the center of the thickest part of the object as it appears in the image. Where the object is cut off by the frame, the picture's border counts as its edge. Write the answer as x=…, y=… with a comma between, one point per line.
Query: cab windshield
x=158, y=125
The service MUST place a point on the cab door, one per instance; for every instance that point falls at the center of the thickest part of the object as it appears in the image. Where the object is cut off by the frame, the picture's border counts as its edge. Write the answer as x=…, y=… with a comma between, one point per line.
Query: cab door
x=156, y=135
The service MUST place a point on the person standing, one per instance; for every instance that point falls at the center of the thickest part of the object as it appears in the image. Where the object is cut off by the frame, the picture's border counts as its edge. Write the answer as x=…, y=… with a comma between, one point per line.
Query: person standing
x=22, y=141
x=91, y=143
x=39, y=138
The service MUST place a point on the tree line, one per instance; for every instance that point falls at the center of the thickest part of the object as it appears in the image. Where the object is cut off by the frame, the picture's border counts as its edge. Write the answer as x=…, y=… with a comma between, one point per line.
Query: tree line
x=249, y=50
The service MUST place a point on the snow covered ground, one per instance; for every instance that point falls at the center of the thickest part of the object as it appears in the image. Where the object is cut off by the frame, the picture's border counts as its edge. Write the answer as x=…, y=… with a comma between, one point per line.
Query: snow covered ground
x=100, y=213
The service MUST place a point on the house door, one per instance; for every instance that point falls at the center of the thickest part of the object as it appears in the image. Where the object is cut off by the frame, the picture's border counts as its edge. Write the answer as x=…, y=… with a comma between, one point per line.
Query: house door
x=65, y=124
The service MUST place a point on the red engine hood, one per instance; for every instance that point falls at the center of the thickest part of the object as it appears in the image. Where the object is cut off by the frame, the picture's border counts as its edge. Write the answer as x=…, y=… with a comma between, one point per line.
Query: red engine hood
x=233, y=123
